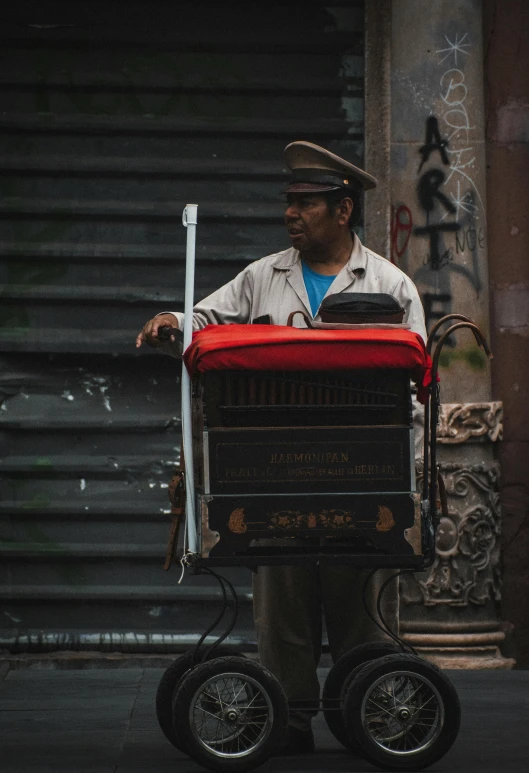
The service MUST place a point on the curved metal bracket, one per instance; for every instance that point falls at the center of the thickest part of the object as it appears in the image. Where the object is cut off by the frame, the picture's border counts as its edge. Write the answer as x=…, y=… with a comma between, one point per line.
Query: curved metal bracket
x=431, y=414
x=440, y=323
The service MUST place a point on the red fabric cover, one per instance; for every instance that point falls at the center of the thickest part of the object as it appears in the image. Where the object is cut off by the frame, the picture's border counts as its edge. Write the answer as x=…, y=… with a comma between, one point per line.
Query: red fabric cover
x=274, y=347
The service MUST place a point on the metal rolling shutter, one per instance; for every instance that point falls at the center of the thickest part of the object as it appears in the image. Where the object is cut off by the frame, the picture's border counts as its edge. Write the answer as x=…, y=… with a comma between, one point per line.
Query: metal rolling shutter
x=115, y=115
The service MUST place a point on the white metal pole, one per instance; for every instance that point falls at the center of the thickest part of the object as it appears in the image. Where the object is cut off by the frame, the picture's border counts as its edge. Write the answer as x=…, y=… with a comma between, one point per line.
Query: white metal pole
x=189, y=219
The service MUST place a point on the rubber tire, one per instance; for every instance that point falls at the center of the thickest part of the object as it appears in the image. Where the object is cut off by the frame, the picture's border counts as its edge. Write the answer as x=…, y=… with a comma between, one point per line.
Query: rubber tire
x=362, y=682
x=201, y=674
x=338, y=679
x=168, y=684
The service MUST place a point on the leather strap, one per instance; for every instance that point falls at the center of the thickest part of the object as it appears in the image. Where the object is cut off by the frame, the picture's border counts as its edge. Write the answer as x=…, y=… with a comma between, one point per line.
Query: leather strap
x=293, y=314
x=177, y=500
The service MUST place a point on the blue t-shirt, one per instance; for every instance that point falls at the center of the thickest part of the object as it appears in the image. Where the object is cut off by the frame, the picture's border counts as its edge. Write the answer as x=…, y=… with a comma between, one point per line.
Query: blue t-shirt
x=317, y=285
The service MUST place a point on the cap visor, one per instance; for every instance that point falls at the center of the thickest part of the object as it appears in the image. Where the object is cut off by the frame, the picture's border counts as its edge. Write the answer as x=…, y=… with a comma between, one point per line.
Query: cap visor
x=310, y=188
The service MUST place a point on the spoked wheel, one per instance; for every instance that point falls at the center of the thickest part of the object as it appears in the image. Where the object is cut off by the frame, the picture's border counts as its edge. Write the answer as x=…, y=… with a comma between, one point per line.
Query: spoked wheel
x=231, y=713
x=167, y=686
x=403, y=712
x=338, y=679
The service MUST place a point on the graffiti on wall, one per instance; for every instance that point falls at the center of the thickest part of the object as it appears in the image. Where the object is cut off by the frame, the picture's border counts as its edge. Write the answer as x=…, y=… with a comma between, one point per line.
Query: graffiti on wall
x=401, y=228
x=433, y=201
x=446, y=223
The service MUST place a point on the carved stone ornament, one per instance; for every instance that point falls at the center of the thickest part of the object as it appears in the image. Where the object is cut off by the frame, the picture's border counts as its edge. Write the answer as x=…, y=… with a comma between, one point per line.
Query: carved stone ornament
x=461, y=422
x=466, y=570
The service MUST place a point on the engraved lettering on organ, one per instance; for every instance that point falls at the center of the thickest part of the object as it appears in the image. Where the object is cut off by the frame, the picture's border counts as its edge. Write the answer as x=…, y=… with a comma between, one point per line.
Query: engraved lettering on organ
x=356, y=460
x=307, y=457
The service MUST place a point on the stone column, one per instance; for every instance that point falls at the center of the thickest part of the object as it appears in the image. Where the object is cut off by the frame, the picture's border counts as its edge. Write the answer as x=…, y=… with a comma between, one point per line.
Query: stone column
x=449, y=613
x=439, y=238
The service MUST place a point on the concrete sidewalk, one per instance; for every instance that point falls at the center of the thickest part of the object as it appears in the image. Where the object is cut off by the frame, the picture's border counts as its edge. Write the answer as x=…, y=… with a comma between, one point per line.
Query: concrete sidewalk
x=103, y=721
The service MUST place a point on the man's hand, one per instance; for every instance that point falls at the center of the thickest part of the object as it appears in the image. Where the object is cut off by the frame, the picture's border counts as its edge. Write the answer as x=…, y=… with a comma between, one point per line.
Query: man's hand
x=149, y=334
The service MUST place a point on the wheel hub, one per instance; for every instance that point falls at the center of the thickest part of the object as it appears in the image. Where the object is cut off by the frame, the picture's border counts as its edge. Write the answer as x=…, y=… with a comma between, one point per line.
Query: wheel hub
x=230, y=715
x=404, y=714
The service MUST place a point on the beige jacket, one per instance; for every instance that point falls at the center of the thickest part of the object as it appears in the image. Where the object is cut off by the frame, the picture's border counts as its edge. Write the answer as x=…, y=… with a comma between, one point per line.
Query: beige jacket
x=274, y=285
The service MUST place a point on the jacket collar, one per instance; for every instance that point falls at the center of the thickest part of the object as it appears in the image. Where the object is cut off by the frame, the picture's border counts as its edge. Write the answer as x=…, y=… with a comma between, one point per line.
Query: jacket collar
x=289, y=261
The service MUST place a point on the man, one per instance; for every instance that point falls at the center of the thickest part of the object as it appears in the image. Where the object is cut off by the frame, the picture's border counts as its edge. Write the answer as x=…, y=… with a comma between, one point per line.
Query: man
x=325, y=257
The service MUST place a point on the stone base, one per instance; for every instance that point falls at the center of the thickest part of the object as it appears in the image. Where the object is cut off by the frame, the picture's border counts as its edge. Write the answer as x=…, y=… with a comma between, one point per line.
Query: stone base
x=476, y=650
x=449, y=613
x=467, y=660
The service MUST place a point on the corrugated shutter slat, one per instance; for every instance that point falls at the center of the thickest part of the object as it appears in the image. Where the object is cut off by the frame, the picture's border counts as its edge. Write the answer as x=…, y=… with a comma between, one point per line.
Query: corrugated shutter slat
x=115, y=115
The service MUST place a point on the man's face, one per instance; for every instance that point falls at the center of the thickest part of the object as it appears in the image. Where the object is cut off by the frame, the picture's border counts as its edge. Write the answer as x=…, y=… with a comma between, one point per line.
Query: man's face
x=309, y=221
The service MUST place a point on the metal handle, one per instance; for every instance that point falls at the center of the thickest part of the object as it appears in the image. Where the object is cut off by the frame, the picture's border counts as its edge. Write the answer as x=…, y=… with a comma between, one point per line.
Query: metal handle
x=432, y=409
x=189, y=220
x=441, y=322
x=189, y=215
x=165, y=333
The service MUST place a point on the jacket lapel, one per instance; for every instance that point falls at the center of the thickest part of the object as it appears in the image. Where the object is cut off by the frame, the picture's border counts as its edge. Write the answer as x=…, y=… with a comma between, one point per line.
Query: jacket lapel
x=343, y=281
x=294, y=276
x=289, y=263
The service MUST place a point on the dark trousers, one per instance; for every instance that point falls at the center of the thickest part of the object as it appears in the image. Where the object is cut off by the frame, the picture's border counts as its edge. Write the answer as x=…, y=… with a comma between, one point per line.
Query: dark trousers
x=289, y=605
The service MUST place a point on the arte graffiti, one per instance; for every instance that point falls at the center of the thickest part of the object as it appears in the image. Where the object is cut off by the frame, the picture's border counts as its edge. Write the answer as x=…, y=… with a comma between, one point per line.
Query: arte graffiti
x=432, y=198
x=433, y=142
